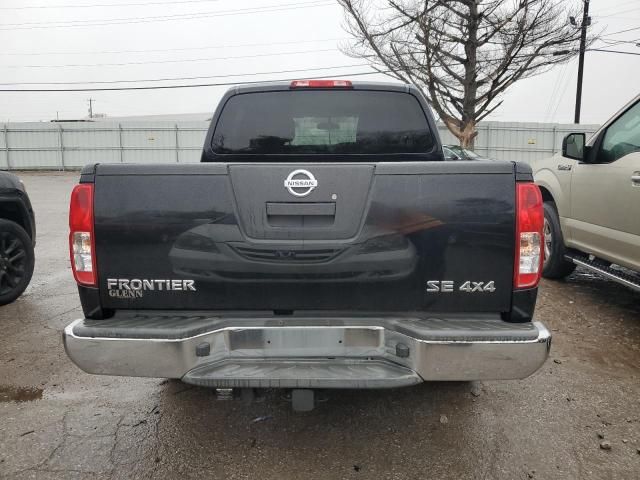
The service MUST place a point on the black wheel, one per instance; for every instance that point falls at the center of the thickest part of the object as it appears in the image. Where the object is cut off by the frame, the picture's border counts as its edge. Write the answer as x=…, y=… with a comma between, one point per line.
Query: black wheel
x=16, y=261
x=555, y=265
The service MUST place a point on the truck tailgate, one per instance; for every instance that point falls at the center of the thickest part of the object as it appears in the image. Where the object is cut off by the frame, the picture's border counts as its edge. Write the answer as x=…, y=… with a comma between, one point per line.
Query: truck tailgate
x=428, y=236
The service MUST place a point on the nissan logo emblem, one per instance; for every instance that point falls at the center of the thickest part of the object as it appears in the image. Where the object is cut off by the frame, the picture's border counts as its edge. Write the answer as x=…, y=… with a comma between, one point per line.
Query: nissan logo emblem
x=300, y=183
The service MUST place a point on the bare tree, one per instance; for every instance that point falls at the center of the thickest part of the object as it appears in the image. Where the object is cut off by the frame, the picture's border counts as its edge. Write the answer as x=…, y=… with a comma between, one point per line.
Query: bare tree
x=463, y=53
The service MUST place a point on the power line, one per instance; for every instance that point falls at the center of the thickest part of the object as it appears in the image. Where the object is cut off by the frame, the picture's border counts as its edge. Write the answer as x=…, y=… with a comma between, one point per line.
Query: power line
x=566, y=52
x=613, y=51
x=234, y=57
x=618, y=13
x=611, y=43
x=94, y=5
x=622, y=17
x=257, y=55
x=613, y=40
x=172, y=16
x=556, y=90
x=621, y=31
x=165, y=87
x=624, y=4
x=89, y=82
x=566, y=85
x=165, y=18
x=213, y=58
x=243, y=45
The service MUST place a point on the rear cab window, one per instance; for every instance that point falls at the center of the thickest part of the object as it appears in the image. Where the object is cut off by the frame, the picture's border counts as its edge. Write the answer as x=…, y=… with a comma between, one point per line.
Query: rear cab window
x=322, y=122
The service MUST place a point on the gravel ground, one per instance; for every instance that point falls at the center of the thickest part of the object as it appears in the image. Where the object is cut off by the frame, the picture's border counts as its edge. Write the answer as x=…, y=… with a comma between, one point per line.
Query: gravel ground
x=58, y=422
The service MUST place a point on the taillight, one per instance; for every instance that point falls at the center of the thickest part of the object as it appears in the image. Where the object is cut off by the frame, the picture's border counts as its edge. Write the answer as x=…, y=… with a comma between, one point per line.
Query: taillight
x=81, y=236
x=529, y=224
x=321, y=84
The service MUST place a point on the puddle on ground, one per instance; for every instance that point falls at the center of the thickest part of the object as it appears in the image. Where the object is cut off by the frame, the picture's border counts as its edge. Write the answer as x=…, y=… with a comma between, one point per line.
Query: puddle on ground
x=19, y=394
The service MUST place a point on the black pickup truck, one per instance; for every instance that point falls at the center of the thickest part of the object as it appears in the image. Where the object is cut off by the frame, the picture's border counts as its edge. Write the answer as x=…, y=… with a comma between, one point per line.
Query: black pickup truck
x=322, y=242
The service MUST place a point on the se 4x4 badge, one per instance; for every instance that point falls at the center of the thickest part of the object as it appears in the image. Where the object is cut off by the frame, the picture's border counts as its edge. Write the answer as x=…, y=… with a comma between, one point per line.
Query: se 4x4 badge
x=449, y=286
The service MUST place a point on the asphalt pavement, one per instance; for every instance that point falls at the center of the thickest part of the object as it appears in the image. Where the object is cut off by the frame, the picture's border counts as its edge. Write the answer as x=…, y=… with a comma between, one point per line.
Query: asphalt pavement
x=577, y=418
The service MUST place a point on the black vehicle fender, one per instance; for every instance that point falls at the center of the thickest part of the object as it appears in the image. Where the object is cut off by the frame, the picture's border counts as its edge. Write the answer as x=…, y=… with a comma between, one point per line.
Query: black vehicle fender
x=13, y=207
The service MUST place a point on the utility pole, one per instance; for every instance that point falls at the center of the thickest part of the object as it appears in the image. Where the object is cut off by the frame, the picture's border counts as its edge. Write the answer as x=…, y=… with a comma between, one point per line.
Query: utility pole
x=586, y=20
x=91, y=100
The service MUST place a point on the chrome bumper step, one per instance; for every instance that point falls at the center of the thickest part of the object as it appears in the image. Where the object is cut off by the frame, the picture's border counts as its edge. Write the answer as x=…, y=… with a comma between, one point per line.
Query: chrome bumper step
x=310, y=352
x=302, y=373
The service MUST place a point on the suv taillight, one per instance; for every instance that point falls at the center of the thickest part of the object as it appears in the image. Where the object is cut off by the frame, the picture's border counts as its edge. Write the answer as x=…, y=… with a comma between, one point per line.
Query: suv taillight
x=81, y=236
x=529, y=224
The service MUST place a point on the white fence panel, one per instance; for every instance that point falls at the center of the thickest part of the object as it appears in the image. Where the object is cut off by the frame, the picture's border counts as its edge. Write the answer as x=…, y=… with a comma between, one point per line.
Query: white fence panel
x=190, y=140
x=64, y=145
x=86, y=143
x=34, y=145
x=4, y=150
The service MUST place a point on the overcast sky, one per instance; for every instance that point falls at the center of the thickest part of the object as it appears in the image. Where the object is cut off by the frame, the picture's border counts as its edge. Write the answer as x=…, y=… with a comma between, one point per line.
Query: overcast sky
x=109, y=40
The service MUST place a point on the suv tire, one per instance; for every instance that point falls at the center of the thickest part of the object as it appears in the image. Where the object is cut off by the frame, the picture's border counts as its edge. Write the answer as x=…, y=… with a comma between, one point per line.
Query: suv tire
x=555, y=265
x=16, y=261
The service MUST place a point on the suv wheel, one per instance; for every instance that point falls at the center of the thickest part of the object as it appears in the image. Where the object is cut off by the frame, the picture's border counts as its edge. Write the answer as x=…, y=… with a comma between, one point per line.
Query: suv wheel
x=16, y=261
x=555, y=265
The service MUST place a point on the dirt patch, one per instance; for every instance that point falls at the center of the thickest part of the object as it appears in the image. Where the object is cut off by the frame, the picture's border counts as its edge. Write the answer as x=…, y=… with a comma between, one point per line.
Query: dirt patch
x=9, y=393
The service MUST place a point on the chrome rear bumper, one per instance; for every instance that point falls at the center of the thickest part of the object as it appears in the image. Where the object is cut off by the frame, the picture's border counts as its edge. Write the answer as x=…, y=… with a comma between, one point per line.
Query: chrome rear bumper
x=311, y=352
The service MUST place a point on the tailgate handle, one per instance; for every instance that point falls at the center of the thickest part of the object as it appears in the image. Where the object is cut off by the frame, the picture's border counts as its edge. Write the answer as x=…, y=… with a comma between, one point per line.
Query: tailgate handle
x=324, y=209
